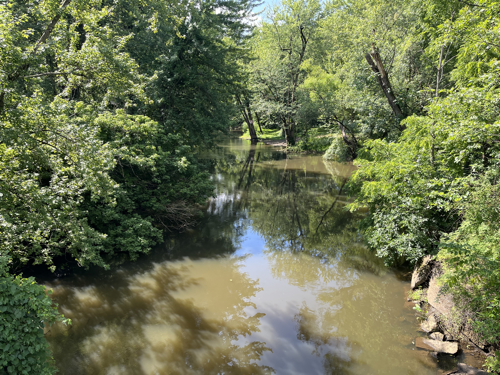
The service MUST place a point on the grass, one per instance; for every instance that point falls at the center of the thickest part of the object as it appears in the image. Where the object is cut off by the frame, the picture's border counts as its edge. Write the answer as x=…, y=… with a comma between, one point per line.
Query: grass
x=269, y=134
x=318, y=140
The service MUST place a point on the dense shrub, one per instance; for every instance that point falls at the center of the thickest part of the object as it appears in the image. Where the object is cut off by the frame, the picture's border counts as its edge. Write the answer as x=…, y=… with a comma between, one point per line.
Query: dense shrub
x=25, y=308
x=337, y=151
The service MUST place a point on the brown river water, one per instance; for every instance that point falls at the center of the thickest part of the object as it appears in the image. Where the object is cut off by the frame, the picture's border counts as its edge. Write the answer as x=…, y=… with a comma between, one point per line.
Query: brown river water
x=274, y=279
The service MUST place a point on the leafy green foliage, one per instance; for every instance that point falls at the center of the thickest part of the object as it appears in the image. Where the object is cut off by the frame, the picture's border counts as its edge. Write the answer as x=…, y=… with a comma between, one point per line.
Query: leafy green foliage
x=103, y=105
x=471, y=258
x=25, y=309
x=190, y=63
x=340, y=79
x=50, y=158
x=337, y=150
x=493, y=363
x=316, y=140
x=435, y=189
x=101, y=114
x=331, y=85
x=271, y=134
x=280, y=46
x=411, y=185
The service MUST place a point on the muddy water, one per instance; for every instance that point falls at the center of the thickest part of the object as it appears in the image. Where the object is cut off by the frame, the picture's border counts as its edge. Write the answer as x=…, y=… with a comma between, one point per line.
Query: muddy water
x=275, y=279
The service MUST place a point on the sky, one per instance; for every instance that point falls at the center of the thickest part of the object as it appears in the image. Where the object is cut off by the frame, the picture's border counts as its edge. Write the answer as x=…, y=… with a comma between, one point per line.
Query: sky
x=264, y=7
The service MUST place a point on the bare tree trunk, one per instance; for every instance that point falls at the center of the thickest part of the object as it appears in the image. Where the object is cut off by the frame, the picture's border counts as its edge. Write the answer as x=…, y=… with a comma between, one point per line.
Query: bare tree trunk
x=251, y=128
x=377, y=66
x=350, y=141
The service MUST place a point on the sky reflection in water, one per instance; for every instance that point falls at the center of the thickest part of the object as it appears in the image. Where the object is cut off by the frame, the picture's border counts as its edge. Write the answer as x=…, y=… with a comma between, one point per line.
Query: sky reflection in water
x=274, y=280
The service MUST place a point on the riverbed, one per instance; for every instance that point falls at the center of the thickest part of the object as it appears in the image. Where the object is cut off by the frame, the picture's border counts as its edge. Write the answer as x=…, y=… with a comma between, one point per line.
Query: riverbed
x=275, y=278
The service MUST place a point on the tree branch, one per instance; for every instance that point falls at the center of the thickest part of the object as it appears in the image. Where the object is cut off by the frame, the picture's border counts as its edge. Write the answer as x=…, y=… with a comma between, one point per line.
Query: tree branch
x=51, y=26
x=47, y=74
x=377, y=66
x=331, y=207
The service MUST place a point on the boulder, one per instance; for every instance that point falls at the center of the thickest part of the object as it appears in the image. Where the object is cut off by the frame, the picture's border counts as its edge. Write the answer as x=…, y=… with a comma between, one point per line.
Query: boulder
x=464, y=369
x=444, y=305
x=437, y=336
x=430, y=324
x=422, y=271
x=437, y=346
x=441, y=302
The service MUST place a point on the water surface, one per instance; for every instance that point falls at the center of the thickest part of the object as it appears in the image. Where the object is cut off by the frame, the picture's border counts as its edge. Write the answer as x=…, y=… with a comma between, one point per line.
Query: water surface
x=275, y=279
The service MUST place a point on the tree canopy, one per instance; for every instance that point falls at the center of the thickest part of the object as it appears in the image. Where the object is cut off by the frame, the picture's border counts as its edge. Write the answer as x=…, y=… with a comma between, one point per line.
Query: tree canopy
x=408, y=90
x=103, y=106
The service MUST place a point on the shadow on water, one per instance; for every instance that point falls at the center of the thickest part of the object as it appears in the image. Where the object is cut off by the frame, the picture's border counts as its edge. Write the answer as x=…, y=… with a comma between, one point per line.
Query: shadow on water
x=274, y=279
x=161, y=321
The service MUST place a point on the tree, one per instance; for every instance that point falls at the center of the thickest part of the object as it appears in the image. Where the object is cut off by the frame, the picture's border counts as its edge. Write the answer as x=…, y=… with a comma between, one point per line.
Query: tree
x=243, y=102
x=97, y=147
x=434, y=190
x=98, y=131
x=195, y=71
x=354, y=103
x=281, y=47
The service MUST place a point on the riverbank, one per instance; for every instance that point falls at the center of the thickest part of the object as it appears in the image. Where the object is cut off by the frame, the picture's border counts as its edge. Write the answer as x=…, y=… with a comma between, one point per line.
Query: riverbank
x=444, y=335
x=444, y=331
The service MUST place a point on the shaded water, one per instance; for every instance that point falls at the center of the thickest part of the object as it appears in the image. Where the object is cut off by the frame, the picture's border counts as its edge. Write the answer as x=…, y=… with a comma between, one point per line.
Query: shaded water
x=275, y=279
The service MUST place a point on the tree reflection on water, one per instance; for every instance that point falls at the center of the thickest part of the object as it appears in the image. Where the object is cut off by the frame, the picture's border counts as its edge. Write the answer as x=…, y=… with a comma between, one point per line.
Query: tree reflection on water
x=313, y=242
x=310, y=299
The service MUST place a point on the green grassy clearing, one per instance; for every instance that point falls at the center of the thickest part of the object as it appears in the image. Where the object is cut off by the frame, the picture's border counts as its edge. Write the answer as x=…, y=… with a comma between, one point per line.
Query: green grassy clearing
x=317, y=140
x=269, y=134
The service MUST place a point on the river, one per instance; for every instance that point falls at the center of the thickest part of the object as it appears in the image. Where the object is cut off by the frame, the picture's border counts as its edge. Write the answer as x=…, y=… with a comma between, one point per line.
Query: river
x=274, y=279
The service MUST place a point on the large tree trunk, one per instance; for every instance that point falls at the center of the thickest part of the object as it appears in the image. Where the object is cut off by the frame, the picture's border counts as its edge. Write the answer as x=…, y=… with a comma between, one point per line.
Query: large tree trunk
x=251, y=129
x=377, y=66
x=247, y=115
x=290, y=134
